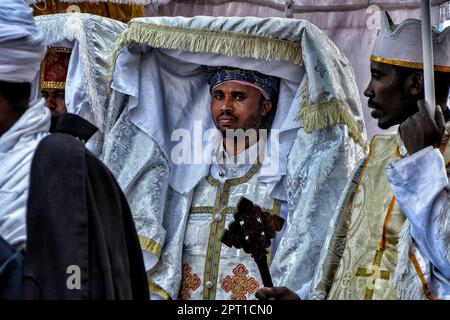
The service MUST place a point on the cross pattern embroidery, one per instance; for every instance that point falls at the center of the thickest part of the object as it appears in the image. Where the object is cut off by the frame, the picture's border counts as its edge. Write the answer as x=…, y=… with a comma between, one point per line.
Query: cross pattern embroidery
x=373, y=274
x=190, y=282
x=239, y=284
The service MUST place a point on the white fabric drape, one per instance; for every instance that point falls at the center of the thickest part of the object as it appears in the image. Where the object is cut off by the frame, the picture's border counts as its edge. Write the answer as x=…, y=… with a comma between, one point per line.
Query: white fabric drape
x=420, y=185
x=17, y=146
x=21, y=45
x=350, y=24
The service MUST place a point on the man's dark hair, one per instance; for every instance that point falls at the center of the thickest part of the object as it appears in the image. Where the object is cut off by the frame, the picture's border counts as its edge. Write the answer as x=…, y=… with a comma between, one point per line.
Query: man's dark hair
x=268, y=119
x=441, y=81
x=17, y=94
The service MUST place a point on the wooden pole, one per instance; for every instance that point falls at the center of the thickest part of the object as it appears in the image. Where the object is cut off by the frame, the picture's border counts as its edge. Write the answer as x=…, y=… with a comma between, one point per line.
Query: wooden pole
x=263, y=267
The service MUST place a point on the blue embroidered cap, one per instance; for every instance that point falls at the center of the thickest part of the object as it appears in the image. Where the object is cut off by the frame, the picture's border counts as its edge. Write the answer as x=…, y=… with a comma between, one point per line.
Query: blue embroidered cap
x=268, y=85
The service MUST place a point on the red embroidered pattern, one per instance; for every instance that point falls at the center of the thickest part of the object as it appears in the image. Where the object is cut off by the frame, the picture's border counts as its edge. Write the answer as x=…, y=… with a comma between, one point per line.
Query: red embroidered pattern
x=239, y=284
x=55, y=65
x=189, y=282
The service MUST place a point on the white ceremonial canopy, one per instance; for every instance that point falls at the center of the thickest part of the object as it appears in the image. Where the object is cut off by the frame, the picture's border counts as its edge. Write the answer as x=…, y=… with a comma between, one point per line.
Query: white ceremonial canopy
x=159, y=86
x=351, y=24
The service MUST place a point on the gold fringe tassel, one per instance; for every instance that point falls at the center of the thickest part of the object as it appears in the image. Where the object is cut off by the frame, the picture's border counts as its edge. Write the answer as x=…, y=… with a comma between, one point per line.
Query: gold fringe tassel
x=209, y=41
x=327, y=113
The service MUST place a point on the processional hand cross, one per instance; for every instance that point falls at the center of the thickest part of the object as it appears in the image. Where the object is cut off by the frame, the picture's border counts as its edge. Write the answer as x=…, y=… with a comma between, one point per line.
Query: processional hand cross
x=252, y=230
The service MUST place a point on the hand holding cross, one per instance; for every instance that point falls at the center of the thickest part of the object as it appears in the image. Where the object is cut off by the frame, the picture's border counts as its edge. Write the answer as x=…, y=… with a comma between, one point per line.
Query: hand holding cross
x=253, y=230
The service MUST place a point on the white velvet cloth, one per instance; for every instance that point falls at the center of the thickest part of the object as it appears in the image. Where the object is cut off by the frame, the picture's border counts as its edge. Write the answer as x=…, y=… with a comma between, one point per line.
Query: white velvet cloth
x=180, y=75
x=22, y=47
x=350, y=24
x=421, y=187
x=313, y=190
x=17, y=146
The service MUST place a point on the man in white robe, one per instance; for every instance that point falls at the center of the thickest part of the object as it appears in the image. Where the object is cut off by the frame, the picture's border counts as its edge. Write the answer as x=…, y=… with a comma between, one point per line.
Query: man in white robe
x=241, y=100
x=389, y=237
x=161, y=95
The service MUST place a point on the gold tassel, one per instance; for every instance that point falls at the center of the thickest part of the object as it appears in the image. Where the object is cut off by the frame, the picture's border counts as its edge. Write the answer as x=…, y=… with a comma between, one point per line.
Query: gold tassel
x=327, y=113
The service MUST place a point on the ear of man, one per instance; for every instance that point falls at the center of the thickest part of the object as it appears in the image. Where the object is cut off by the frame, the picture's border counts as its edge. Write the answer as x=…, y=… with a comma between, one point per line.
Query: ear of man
x=415, y=84
x=266, y=106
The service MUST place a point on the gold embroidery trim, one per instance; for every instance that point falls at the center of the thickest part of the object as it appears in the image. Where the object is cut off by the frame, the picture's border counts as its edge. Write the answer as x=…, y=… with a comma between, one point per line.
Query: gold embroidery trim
x=201, y=209
x=211, y=263
x=216, y=230
x=155, y=289
x=408, y=64
x=150, y=245
x=227, y=210
x=212, y=181
x=363, y=171
x=363, y=272
x=59, y=49
x=426, y=289
x=382, y=243
x=53, y=84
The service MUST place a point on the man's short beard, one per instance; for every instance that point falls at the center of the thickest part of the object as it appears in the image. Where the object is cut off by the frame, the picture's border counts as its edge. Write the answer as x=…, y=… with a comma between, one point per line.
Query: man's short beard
x=255, y=122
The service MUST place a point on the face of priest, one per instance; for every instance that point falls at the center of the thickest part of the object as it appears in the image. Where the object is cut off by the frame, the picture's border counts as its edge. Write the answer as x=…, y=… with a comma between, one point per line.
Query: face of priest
x=54, y=100
x=392, y=98
x=237, y=106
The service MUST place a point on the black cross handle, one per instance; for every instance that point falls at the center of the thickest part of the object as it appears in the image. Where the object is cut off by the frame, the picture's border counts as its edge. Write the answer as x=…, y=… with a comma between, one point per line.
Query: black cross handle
x=252, y=230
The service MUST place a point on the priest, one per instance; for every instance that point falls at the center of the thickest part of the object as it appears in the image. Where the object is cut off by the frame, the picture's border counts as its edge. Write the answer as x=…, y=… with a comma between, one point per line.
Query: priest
x=389, y=238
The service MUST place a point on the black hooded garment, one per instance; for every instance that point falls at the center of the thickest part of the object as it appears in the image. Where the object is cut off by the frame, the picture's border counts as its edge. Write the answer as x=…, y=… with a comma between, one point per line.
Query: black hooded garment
x=81, y=238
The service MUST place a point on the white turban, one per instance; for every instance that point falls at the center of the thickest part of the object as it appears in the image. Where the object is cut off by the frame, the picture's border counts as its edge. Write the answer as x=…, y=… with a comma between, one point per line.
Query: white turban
x=22, y=47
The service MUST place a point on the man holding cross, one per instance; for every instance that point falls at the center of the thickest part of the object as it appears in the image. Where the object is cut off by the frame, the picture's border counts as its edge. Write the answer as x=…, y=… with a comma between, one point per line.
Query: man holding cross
x=241, y=100
x=184, y=188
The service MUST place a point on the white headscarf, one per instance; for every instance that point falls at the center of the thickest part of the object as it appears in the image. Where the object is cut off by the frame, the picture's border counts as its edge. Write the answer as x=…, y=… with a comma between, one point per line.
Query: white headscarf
x=17, y=147
x=22, y=47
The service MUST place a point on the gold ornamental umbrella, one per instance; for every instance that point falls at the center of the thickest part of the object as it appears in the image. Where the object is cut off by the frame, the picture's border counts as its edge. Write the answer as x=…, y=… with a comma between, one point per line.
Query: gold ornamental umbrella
x=122, y=10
